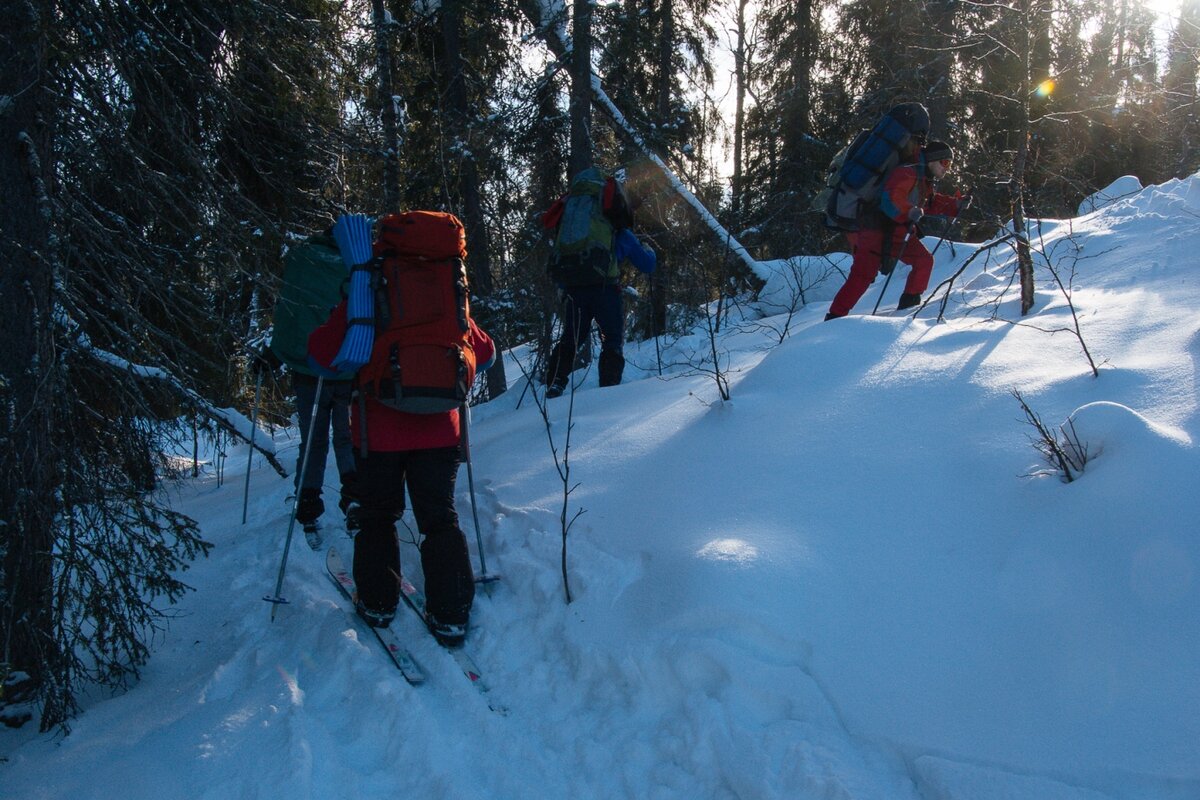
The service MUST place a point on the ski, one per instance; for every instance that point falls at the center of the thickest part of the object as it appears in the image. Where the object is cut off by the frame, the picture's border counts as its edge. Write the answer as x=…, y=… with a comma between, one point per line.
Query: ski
x=344, y=581
x=415, y=600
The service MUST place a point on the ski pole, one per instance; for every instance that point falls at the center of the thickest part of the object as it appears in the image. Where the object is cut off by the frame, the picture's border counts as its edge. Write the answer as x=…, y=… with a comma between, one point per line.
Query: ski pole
x=539, y=361
x=950, y=228
x=903, y=245
x=654, y=325
x=465, y=419
x=250, y=456
x=276, y=599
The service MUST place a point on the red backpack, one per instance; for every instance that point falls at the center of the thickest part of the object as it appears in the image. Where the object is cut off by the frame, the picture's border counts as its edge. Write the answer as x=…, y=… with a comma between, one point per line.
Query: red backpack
x=422, y=361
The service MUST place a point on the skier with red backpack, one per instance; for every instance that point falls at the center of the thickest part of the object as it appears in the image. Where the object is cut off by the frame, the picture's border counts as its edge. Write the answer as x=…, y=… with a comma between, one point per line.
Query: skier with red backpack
x=592, y=240
x=407, y=333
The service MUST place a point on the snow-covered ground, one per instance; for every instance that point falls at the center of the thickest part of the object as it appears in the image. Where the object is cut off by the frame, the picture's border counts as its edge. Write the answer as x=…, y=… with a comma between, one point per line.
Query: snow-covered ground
x=857, y=579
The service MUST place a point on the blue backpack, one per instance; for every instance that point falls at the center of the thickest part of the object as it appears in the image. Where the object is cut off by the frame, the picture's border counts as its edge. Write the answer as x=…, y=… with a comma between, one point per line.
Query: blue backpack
x=858, y=171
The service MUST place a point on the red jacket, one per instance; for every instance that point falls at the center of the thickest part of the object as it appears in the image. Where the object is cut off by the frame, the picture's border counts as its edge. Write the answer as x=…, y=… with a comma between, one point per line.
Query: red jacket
x=389, y=430
x=907, y=187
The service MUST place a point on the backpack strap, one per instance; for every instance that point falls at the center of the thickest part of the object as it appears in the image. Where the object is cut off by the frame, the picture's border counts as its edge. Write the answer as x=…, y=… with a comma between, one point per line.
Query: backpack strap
x=368, y=266
x=362, y=418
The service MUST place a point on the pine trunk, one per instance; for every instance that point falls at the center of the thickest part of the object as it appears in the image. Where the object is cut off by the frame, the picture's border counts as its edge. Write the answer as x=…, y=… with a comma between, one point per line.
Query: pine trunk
x=388, y=114
x=478, y=249
x=28, y=374
x=581, y=87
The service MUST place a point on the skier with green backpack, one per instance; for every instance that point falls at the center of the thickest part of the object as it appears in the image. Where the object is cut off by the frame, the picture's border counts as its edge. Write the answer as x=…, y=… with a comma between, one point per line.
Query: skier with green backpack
x=590, y=227
x=314, y=279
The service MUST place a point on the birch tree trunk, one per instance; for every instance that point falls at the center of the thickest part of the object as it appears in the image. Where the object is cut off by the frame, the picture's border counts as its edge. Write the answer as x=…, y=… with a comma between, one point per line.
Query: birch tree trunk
x=1017, y=185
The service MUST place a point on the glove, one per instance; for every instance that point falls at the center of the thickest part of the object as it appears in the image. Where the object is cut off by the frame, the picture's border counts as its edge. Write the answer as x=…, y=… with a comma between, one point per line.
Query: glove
x=914, y=215
x=963, y=201
x=353, y=235
x=264, y=362
x=886, y=266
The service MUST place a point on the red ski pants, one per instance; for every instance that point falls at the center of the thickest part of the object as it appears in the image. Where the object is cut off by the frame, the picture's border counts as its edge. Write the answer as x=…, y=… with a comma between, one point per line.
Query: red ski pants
x=867, y=247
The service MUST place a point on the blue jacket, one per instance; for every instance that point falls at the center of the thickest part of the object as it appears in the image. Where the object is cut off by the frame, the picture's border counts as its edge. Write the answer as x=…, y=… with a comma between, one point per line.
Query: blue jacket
x=627, y=247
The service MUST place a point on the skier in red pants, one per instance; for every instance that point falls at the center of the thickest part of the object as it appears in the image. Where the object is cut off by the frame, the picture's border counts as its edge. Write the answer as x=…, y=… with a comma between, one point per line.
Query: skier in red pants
x=890, y=232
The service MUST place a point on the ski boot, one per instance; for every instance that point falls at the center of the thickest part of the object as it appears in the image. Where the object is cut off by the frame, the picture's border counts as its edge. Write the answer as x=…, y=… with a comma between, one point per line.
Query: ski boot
x=312, y=535
x=448, y=634
x=374, y=617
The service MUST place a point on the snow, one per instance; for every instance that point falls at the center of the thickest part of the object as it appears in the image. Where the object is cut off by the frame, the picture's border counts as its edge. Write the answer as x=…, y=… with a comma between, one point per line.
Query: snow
x=1122, y=187
x=856, y=579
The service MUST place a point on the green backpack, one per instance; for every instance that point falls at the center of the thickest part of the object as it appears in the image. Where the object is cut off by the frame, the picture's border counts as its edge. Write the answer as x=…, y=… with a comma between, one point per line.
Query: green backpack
x=314, y=279
x=585, y=222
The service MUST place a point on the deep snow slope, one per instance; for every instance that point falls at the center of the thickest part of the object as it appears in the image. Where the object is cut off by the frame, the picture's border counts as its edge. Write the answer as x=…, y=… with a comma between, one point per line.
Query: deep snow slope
x=856, y=579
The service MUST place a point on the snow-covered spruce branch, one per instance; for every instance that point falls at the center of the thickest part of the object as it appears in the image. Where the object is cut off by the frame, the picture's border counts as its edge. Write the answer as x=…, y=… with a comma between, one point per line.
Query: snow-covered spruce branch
x=549, y=21
x=232, y=422
x=561, y=465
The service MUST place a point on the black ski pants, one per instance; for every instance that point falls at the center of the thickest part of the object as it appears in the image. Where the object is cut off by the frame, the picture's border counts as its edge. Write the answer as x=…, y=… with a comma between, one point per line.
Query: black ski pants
x=581, y=306
x=430, y=477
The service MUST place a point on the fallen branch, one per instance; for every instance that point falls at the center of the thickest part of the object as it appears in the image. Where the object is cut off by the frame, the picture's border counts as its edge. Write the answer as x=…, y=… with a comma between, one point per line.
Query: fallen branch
x=553, y=32
x=232, y=422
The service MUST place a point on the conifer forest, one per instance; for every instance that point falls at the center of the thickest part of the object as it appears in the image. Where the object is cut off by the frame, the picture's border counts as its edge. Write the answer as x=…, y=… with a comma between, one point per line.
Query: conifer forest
x=157, y=157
